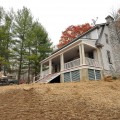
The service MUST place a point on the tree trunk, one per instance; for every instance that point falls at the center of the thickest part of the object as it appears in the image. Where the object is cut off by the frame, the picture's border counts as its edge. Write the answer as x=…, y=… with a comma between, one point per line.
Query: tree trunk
x=20, y=64
x=29, y=68
x=19, y=71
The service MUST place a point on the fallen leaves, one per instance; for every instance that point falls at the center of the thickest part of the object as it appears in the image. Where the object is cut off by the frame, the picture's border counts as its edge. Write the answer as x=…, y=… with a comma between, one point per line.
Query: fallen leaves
x=96, y=100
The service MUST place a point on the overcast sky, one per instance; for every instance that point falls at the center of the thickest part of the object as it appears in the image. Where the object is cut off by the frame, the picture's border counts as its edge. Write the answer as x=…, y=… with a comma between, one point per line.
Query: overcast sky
x=56, y=15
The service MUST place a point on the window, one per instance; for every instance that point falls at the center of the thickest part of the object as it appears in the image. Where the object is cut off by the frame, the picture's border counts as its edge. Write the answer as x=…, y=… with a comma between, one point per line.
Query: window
x=98, y=74
x=73, y=76
x=91, y=74
x=67, y=77
x=106, y=37
x=94, y=74
x=109, y=57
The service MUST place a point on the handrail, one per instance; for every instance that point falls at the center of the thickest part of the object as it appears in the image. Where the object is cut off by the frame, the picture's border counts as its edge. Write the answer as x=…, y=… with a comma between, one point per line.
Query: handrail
x=74, y=63
x=71, y=64
x=38, y=76
x=45, y=73
x=41, y=75
x=88, y=61
x=92, y=62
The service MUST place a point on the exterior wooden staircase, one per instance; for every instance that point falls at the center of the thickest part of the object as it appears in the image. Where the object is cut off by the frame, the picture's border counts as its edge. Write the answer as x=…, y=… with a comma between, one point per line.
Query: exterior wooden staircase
x=48, y=78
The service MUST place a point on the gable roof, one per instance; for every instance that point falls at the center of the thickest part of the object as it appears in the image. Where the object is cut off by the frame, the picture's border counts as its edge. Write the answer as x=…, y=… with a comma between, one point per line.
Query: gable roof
x=98, y=44
x=93, y=28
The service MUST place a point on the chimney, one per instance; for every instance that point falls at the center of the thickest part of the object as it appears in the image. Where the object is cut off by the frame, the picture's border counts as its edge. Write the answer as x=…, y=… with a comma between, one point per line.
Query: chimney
x=109, y=19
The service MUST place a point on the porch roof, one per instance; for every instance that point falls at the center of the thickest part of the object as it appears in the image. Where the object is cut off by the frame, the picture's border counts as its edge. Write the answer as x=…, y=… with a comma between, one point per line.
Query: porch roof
x=93, y=28
x=86, y=43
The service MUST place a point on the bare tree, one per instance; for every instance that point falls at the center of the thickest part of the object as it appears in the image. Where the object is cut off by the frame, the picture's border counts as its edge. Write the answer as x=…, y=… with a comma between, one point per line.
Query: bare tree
x=116, y=15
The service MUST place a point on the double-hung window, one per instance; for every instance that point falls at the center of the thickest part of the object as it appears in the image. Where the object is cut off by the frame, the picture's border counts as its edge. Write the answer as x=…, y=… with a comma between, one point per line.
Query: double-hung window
x=106, y=38
x=109, y=57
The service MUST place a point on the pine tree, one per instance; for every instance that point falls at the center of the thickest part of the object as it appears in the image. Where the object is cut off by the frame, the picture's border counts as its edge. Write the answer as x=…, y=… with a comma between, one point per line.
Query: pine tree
x=39, y=47
x=21, y=26
x=5, y=39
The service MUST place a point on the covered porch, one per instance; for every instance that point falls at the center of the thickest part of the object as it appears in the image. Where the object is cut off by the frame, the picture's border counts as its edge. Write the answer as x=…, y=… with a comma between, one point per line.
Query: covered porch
x=82, y=55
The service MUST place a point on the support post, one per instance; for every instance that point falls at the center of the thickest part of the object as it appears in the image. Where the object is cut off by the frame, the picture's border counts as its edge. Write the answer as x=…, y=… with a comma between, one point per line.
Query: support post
x=41, y=69
x=98, y=57
x=83, y=54
x=50, y=66
x=62, y=62
x=80, y=54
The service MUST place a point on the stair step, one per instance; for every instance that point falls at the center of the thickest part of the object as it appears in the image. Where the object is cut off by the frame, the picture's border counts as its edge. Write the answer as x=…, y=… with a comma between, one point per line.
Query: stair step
x=48, y=78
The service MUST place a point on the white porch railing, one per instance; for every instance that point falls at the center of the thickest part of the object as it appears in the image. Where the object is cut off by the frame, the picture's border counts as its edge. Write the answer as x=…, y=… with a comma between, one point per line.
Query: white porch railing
x=45, y=73
x=92, y=62
x=75, y=63
x=71, y=64
x=42, y=75
x=36, y=78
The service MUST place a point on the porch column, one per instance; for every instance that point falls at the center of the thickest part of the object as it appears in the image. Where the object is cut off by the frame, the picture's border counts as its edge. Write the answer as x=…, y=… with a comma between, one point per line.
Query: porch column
x=50, y=66
x=98, y=57
x=62, y=62
x=83, y=54
x=80, y=54
x=41, y=68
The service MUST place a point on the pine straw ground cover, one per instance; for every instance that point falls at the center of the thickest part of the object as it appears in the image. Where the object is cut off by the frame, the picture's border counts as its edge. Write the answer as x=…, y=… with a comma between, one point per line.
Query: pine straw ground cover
x=93, y=100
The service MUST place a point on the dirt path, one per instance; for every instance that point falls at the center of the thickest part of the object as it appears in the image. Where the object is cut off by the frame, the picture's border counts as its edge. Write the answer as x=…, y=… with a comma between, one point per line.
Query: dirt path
x=70, y=101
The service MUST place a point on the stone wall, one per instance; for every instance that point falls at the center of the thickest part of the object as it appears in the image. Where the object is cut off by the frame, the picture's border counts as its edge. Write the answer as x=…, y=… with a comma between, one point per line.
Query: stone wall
x=115, y=44
x=107, y=73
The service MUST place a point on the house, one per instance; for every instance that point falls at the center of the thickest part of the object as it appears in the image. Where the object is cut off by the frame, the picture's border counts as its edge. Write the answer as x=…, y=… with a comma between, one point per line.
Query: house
x=91, y=56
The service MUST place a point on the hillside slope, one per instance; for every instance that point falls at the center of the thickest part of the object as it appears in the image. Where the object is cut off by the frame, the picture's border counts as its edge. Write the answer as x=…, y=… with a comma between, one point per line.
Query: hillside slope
x=95, y=100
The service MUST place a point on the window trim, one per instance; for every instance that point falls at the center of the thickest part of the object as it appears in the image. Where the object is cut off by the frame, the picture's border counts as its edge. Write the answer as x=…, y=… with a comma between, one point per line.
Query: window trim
x=106, y=38
x=109, y=57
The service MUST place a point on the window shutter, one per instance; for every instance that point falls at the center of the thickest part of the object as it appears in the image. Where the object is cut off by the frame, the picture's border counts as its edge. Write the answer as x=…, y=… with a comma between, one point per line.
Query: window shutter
x=67, y=77
x=75, y=75
x=91, y=74
x=98, y=75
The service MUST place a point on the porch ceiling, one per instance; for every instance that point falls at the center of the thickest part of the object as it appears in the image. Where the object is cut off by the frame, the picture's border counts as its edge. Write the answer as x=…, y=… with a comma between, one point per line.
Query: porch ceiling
x=56, y=60
x=71, y=54
x=88, y=48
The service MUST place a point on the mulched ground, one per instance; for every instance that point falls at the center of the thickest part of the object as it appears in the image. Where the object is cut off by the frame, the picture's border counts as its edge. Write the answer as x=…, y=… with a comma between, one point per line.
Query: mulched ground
x=94, y=100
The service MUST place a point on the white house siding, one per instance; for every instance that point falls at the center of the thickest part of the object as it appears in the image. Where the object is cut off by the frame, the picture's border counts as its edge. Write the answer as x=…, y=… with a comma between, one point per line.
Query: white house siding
x=83, y=37
x=92, y=35
x=105, y=48
x=90, y=42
